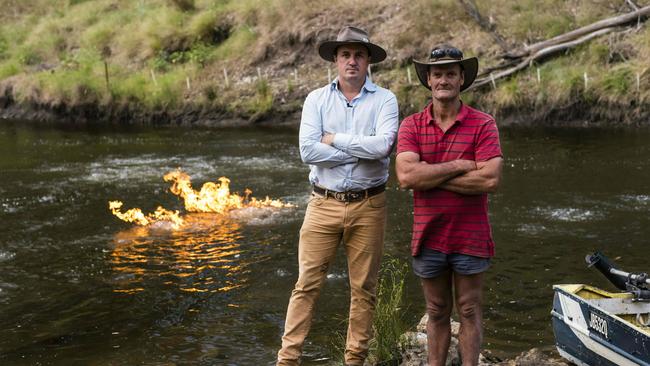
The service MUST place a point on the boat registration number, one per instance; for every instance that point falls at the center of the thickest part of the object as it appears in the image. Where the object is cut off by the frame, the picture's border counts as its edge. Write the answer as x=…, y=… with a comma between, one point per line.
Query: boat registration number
x=598, y=323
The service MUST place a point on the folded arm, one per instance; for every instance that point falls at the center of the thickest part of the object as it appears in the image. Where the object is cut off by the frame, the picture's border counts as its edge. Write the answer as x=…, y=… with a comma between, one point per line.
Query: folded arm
x=420, y=175
x=312, y=150
x=377, y=146
x=485, y=179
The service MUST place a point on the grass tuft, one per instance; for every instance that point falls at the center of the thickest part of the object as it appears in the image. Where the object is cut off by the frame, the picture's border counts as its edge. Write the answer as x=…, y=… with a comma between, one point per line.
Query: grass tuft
x=389, y=322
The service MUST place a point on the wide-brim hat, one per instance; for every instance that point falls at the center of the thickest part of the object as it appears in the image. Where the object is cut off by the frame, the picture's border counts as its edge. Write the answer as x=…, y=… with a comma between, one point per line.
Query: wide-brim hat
x=445, y=55
x=351, y=35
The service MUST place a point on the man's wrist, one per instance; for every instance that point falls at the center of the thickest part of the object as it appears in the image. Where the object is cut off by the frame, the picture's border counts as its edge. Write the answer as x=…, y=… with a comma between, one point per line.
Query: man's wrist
x=328, y=138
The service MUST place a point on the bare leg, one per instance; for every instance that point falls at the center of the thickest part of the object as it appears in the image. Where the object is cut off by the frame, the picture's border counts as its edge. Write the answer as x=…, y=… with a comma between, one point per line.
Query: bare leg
x=469, y=289
x=437, y=294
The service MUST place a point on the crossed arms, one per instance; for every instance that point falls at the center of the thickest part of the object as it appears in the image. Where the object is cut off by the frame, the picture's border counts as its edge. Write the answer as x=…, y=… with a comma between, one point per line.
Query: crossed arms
x=460, y=176
x=322, y=145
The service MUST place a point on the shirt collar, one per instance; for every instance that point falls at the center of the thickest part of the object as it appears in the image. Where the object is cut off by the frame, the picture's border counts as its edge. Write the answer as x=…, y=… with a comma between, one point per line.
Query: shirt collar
x=462, y=112
x=368, y=85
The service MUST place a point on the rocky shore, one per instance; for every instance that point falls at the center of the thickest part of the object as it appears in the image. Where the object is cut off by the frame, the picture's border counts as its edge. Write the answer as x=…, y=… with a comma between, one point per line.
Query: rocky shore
x=414, y=351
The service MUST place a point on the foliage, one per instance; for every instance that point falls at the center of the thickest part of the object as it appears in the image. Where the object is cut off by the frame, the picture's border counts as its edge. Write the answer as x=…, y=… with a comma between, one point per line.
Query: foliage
x=9, y=68
x=616, y=83
x=4, y=47
x=262, y=102
x=389, y=322
x=237, y=44
x=177, y=37
x=200, y=54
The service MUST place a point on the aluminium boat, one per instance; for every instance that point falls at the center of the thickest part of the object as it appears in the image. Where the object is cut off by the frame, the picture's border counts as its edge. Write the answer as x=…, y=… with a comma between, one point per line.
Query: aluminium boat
x=596, y=327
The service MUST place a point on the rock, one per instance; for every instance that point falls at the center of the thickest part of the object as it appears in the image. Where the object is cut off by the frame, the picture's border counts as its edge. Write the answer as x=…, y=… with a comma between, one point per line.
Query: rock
x=534, y=357
x=414, y=351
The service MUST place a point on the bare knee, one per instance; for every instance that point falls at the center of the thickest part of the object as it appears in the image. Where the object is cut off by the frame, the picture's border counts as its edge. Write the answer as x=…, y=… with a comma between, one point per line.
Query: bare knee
x=469, y=309
x=438, y=311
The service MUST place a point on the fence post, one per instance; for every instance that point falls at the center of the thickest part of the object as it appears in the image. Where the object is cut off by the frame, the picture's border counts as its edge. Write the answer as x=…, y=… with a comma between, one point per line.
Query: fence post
x=153, y=77
x=108, y=88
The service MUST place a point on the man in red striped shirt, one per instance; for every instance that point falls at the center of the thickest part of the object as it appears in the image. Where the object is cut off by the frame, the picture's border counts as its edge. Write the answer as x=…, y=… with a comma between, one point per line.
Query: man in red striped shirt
x=450, y=155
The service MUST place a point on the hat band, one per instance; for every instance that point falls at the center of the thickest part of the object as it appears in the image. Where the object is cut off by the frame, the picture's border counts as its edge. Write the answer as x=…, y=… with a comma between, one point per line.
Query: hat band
x=446, y=58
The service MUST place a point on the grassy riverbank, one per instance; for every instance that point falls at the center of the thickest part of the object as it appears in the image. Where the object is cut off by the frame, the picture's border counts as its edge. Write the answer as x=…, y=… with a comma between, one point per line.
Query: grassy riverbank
x=250, y=59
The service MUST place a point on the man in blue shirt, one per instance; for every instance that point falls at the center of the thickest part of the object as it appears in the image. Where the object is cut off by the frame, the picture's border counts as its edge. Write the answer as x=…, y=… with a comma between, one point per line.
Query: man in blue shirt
x=347, y=132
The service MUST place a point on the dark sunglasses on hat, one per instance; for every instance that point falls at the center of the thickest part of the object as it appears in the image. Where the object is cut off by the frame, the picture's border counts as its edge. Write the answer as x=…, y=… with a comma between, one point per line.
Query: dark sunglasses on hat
x=446, y=52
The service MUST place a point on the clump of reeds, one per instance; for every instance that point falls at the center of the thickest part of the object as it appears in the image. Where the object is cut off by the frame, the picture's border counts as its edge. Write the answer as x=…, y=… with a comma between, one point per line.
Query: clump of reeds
x=389, y=322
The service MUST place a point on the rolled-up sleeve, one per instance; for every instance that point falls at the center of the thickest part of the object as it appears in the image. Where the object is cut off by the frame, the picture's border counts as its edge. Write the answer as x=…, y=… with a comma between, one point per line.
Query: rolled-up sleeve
x=312, y=151
x=380, y=144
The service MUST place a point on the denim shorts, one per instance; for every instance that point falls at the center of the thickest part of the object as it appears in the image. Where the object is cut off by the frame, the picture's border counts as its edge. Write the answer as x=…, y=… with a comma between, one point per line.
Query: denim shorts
x=431, y=263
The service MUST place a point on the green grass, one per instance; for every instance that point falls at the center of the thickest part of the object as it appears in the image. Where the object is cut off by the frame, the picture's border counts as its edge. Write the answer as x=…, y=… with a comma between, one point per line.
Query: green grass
x=389, y=321
x=9, y=68
x=239, y=42
x=202, y=37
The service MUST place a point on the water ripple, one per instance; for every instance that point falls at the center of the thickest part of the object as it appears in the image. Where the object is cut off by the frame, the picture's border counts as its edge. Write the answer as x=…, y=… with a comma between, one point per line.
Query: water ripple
x=568, y=214
x=6, y=256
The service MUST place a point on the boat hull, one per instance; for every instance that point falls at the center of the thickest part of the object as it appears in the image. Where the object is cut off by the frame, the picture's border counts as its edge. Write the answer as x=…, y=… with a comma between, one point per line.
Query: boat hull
x=588, y=335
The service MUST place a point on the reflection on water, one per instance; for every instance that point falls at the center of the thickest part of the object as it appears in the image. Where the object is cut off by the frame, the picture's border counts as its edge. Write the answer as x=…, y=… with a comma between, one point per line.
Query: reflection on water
x=202, y=256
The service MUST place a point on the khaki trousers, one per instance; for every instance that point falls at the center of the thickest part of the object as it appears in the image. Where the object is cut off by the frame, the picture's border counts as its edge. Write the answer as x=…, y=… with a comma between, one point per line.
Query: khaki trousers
x=328, y=222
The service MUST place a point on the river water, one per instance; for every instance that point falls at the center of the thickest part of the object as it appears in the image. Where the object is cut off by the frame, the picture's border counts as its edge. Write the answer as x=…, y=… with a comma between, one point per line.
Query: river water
x=78, y=286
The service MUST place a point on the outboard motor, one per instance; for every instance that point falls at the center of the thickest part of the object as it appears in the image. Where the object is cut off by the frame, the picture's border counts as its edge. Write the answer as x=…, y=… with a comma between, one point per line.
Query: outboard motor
x=603, y=264
x=636, y=283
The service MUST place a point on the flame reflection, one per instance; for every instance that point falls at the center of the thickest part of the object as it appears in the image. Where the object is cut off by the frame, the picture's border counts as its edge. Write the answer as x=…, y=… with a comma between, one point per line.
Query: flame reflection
x=203, y=256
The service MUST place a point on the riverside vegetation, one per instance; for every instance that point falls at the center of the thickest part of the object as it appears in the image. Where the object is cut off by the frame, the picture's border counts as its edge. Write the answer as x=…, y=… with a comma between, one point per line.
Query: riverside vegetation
x=214, y=61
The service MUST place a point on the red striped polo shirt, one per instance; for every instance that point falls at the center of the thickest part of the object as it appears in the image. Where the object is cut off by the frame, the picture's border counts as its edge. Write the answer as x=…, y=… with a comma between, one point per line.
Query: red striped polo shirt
x=446, y=221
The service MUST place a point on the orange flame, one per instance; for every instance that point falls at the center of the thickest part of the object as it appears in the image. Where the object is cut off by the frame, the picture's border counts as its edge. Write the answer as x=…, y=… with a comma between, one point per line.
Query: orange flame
x=213, y=197
x=135, y=215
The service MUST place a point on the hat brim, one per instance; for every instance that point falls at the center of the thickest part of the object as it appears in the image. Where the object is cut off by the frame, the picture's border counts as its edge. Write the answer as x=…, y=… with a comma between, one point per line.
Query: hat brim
x=327, y=49
x=470, y=70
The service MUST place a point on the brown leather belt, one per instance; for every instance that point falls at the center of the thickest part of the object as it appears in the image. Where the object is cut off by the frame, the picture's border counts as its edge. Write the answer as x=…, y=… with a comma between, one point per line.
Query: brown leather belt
x=350, y=196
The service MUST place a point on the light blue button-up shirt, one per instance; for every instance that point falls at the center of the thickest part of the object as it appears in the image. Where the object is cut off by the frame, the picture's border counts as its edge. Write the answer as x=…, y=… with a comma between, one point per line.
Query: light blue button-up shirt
x=365, y=130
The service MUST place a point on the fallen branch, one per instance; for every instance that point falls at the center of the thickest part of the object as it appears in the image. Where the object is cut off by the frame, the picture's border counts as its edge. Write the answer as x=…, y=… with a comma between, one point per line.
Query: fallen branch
x=539, y=55
x=594, y=27
x=632, y=4
x=563, y=42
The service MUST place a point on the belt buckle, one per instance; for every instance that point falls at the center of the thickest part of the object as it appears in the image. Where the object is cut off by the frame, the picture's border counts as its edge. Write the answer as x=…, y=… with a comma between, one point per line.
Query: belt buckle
x=356, y=196
x=340, y=196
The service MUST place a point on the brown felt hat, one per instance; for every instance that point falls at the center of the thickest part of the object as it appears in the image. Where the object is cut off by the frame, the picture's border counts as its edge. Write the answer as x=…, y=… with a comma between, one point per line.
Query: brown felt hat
x=351, y=35
x=443, y=55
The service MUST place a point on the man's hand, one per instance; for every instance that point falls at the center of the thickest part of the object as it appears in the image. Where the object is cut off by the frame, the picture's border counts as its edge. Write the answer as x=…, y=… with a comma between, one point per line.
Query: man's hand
x=328, y=138
x=484, y=179
x=413, y=173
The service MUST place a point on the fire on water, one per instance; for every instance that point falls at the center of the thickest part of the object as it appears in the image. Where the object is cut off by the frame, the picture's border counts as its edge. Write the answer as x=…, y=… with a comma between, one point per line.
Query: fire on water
x=214, y=197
